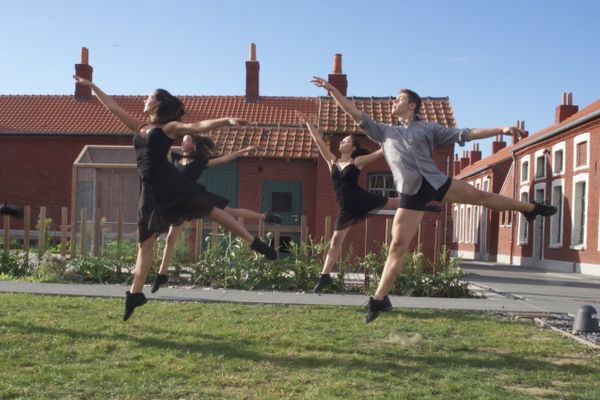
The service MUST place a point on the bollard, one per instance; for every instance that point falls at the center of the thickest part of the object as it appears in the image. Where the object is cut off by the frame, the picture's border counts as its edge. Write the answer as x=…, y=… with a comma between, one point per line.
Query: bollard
x=585, y=321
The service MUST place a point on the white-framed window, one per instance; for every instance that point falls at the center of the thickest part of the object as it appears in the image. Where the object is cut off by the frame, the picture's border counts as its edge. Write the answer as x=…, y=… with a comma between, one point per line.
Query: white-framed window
x=456, y=225
x=523, y=224
x=581, y=151
x=461, y=236
x=556, y=221
x=540, y=164
x=579, y=211
x=524, y=169
x=468, y=237
x=382, y=184
x=476, y=224
x=558, y=159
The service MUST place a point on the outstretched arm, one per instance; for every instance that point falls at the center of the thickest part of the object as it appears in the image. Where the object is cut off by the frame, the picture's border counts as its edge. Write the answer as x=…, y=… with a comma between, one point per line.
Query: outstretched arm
x=231, y=156
x=318, y=138
x=176, y=129
x=482, y=133
x=361, y=161
x=345, y=104
x=111, y=104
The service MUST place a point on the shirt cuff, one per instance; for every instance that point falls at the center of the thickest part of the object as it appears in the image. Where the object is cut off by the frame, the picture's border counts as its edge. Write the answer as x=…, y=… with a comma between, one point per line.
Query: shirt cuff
x=464, y=136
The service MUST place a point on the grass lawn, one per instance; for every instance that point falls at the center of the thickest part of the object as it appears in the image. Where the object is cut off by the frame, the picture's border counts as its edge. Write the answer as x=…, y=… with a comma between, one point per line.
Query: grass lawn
x=79, y=348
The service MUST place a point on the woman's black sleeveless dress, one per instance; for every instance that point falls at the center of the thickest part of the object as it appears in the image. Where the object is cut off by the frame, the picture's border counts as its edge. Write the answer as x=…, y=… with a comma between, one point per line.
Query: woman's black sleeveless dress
x=166, y=196
x=355, y=203
x=193, y=171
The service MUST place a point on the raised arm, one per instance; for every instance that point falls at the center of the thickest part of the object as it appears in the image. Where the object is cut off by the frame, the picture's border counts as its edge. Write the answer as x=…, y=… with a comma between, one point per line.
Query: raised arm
x=361, y=161
x=176, y=129
x=482, y=133
x=231, y=156
x=111, y=105
x=345, y=104
x=318, y=139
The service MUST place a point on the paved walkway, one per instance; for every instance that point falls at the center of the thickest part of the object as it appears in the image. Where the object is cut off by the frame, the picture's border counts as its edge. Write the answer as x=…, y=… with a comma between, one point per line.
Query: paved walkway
x=505, y=288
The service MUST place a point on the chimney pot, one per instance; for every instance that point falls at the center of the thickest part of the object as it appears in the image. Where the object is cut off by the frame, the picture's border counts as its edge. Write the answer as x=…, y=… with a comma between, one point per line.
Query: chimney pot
x=84, y=70
x=570, y=99
x=252, y=76
x=252, y=52
x=84, y=55
x=337, y=78
x=337, y=64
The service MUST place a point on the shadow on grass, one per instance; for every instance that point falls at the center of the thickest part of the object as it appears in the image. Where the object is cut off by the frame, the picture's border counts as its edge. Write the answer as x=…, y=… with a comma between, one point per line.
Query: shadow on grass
x=236, y=348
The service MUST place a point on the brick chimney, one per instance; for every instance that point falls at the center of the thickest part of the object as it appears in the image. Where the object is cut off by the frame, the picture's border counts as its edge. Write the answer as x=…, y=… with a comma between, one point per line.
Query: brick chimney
x=83, y=70
x=337, y=78
x=456, y=165
x=464, y=160
x=475, y=154
x=566, y=108
x=498, y=144
x=252, y=69
x=521, y=126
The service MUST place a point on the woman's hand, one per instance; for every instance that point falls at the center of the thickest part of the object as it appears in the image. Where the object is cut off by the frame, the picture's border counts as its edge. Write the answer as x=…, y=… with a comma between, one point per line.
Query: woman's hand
x=83, y=81
x=322, y=83
x=238, y=122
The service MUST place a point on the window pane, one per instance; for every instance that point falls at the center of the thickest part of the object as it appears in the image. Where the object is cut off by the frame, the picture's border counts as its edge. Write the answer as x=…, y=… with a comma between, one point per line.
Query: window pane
x=556, y=219
x=540, y=167
x=581, y=156
x=281, y=202
x=579, y=215
x=523, y=225
x=558, y=162
x=525, y=171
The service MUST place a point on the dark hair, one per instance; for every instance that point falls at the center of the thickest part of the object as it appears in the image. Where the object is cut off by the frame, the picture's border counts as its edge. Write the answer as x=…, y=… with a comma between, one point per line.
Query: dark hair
x=360, y=151
x=414, y=98
x=204, y=147
x=170, y=108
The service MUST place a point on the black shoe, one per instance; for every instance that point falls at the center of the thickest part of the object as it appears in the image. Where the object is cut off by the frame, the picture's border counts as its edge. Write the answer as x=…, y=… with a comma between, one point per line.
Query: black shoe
x=12, y=211
x=375, y=307
x=540, y=209
x=387, y=304
x=131, y=302
x=158, y=282
x=263, y=248
x=273, y=218
x=324, y=280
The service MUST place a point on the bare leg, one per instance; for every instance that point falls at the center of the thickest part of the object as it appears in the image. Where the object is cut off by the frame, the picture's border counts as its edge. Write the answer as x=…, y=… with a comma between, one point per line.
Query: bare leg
x=405, y=226
x=143, y=264
x=231, y=224
x=334, y=249
x=172, y=236
x=244, y=213
x=463, y=193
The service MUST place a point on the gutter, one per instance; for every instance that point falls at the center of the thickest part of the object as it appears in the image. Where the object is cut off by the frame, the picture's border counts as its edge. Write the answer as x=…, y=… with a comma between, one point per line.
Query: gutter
x=560, y=129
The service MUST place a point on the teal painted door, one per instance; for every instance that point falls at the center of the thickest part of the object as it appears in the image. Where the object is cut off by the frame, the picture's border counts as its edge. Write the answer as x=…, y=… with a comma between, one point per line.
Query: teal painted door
x=223, y=180
x=285, y=199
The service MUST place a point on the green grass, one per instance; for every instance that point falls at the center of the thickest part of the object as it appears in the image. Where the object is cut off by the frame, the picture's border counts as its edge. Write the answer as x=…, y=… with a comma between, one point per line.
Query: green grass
x=78, y=348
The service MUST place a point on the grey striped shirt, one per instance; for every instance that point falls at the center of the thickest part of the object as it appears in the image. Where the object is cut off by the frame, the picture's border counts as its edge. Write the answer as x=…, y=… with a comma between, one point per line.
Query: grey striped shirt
x=408, y=151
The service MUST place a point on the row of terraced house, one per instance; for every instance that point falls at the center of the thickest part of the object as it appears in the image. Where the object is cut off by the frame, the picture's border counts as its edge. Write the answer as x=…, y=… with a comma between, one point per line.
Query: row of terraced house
x=42, y=138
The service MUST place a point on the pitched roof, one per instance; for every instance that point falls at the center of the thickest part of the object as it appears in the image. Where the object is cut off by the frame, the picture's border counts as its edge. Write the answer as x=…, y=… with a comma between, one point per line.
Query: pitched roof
x=505, y=153
x=35, y=114
x=333, y=119
x=272, y=142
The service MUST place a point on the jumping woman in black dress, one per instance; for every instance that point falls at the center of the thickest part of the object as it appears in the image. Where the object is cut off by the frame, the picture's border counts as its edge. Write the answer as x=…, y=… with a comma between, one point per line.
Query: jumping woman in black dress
x=195, y=158
x=166, y=196
x=355, y=202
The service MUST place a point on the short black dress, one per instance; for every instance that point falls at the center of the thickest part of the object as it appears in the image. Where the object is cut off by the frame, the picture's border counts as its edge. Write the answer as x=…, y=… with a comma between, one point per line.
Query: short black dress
x=355, y=203
x=166, y=196
x=193, y=171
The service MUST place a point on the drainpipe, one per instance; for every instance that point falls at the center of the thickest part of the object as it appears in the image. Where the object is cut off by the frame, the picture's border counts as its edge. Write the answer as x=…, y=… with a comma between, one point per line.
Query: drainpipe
x=512, y=225
x=448, y=162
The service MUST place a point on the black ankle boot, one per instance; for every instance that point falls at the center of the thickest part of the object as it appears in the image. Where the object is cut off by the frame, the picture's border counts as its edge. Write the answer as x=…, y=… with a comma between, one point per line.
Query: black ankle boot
x=324, y=280
x=261, y=247
x=132, y=300
x=158, y=282
x=375, y=307
x=539, y=209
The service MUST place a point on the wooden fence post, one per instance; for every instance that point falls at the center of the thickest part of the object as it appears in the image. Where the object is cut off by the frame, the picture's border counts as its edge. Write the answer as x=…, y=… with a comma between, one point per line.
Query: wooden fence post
x=303, y=229
x=83, y=231
x=119, y=235
x=261, y=228
x=64, y=222
x=6, y=233
x=42, y=232
x=96, y=232
x=198, y=241
x=277, y=234
x=388, y=231
x=327, y=232
x=26, y=231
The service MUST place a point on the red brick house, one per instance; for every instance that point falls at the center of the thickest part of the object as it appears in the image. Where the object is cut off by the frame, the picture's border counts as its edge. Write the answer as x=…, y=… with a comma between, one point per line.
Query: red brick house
x=41, y=136
x=557, y=165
